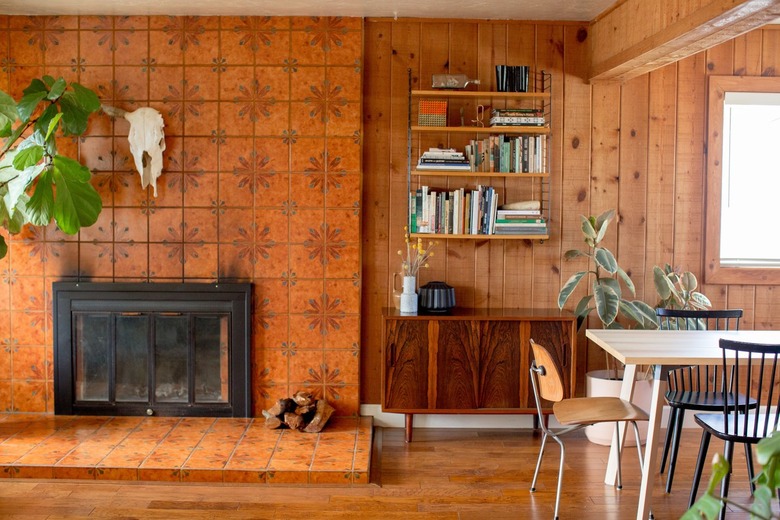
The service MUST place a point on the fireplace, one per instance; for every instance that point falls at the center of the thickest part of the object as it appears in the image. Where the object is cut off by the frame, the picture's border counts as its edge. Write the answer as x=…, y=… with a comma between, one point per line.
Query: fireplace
x=152, y=349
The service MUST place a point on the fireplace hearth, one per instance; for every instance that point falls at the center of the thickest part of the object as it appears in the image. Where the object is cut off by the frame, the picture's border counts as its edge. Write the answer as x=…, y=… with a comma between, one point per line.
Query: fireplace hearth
x=152, y=349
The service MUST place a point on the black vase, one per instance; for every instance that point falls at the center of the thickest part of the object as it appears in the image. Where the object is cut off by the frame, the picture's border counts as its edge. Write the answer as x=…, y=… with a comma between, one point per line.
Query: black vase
x=437, y=297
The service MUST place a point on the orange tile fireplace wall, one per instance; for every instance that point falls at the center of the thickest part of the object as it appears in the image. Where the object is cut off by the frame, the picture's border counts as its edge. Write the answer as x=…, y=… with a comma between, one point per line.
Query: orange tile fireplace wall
x=261, y=183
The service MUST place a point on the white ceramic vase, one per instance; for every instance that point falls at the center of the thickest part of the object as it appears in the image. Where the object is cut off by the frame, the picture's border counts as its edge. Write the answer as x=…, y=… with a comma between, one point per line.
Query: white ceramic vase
x=409, y=296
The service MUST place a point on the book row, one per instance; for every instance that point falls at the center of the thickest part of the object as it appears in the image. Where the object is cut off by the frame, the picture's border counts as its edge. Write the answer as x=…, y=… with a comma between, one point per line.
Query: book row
x=469, y=212
x=505, y=153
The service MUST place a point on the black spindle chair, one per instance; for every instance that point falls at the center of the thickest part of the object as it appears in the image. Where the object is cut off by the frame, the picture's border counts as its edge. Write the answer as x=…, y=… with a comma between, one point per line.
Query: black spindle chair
x=700, y=388
x=755, y=372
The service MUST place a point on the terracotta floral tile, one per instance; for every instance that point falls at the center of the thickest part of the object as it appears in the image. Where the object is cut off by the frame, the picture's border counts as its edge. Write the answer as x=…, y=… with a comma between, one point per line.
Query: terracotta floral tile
x=271, y=225
x=273, y=367
x=205, y=52
x=201, y=475
x=200, y=118
x=346, y=264
x=348, y=402
x=159, y=474
x=307, y=189
x=96, y=259
x=201, y=190
x=132, y=259
x=243, y=477
x=131, y=225
x=165, y=224
x=200, y=261
x=305, y=260
x=305, y=366
x=307, y=85
x=235, y=188
x=22, y=51
x=71, y=472
x=349, y=49
x=134, y=84
x=275, y=80
x=236, y=83
x=99, y=79
x=165, y=81
x=233, y=264
x=347, y=220
x=132, y=46
x=347, y=335
x=344, y=154
x=61, y=260
x=130, y=192
x=106, y=473
x=27, y=328
x=306, y=296
x=306, y=119
x=200, y=153
x=96, y=44
x=347, y=81
x=270, y=331
x=102, y=230
x=200, y=225
x=236, y=225
x=342, y=119
x=29, y=362
x=46, y=472
x=23, y=259
x=335, y=477
x=302, y=221
x=165, y=260
x=270, y=258
x=275, y=120
x=346, y=362
x=163, y=49
x=344, y=192
x=272, y=190
x=346, y=292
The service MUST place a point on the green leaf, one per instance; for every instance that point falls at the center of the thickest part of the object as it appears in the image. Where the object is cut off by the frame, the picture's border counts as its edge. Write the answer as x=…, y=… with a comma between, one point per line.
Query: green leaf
x=86, y=98
x=700, y=301
x=74, y=117
x=53, y=125
x=626, y=280
x=688, y=281
x=18, y=131
x=42, y=124
x=36, y=86
x=628, y=309
x=28, y=104
x=574, y=253
x=568, y=288
x=648, y=314
x=762, y=502
x=8, y=112
x=5, y=129
x=40, y=207
x=77, y=204
x=768, y=448
x=582, y=309
x=28, y=156
x=720, y=468
x=607, y=303
x=613, y=284
x=19, y=184
x=3, y=247
x=587, y=228
x=662, y=284
x=56, y=89
x=706, y=507
x=605, y=259
x=602, y=224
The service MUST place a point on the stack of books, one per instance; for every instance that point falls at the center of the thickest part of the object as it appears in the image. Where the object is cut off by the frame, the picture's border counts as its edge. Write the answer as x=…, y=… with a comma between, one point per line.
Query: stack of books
x=443, y=159
x=460, y=212
x=507, y=153
x=520, y=222
x=517, y=117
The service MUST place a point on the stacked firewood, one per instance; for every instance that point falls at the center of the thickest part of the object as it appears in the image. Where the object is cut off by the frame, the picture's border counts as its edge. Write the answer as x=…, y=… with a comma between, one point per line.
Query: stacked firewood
x=300, y=412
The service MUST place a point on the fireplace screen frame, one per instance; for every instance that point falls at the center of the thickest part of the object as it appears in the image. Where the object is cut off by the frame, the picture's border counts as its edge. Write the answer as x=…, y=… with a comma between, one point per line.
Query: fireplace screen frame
x=188, y=300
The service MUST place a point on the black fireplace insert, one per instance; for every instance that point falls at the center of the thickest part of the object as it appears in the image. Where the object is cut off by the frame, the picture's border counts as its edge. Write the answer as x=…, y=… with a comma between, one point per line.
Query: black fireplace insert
x=152, y=349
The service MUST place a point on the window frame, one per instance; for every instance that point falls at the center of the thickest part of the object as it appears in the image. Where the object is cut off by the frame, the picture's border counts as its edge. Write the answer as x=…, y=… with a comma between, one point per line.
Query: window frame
x=714, y=272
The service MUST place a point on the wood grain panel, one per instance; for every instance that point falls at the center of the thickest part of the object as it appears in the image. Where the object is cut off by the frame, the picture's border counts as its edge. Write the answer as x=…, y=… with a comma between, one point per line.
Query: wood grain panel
x=500, y=369
x=406, y=374
x=458, y=365
x=590, y=163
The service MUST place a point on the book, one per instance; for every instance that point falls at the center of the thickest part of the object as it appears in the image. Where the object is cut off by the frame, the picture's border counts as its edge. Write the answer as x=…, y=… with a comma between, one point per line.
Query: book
x=517, y=121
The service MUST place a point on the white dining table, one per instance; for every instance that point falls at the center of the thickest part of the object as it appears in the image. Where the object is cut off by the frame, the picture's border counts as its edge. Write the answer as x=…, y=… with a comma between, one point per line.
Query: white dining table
x=664, y=350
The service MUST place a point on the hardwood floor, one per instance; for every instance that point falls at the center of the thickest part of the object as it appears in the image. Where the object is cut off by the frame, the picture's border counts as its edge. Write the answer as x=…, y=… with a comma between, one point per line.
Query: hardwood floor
x=447, y=474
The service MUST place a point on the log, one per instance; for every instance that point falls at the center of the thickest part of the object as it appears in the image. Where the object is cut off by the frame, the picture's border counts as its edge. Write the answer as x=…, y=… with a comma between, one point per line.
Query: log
x=303, y=398
x=323, y=413
x=294, y=421
x=272, y=422
x=281, y=407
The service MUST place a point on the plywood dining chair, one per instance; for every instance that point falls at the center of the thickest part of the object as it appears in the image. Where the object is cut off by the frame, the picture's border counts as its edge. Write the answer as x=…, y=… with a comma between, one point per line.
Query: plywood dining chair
x=574, y=413
x=699, y=388
x=755, y=371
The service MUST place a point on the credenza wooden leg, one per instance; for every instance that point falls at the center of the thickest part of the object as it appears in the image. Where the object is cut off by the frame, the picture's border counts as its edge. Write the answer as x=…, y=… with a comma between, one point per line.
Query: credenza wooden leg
x=409, y=423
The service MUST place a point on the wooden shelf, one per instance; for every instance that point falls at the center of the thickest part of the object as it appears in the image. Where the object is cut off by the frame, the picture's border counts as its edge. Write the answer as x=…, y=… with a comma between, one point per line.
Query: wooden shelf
x=480, y=94
x=443, y=236
x=462, y=173
x=484, y=129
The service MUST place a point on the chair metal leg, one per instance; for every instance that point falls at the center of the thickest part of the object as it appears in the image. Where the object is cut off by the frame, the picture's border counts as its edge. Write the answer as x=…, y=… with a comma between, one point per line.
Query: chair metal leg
x=668, y=438
x=638, y=444
x=678, y=424
x=728, y=454
x=750, y=468
x=705, y=443
x=619, y=476
x=560, y=476
x=538, y=462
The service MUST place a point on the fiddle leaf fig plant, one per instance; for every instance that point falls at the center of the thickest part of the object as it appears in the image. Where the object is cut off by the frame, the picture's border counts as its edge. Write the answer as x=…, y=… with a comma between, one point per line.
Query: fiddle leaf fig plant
x=36, y=183
x=606, y=294
x=677, y=289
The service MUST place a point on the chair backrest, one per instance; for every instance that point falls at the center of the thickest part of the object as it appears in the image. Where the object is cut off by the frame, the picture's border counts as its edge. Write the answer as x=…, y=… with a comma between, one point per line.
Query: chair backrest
x=678, y=319
x=705, y=377
x=755, y=375
x=545, y=375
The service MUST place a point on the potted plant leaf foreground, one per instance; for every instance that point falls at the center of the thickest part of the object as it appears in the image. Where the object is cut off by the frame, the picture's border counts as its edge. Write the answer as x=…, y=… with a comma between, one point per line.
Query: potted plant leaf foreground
x=37, y=184
x=609, y=284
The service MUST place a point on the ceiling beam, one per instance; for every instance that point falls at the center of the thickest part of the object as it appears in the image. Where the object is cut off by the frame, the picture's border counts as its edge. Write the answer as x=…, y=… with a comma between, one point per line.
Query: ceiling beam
x=637, y=36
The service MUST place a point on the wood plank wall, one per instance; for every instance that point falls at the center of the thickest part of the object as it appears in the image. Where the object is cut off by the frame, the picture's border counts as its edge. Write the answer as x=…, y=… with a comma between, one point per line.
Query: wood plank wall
x=637, y=147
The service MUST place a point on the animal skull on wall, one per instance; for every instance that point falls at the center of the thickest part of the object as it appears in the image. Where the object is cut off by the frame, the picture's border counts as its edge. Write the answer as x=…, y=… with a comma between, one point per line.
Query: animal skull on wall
x=147, y=141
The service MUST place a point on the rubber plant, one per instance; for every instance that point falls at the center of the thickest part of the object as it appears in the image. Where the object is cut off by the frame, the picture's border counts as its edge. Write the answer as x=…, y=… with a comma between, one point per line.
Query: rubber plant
x=606, y=295
x=36, y=183
x=677, y=289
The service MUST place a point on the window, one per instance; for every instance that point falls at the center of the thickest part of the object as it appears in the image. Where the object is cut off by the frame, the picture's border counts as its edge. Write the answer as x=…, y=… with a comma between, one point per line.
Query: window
x=743, y=181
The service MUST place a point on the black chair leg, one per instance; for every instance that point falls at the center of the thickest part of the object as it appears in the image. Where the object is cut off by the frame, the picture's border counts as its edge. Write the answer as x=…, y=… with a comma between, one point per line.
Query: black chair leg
x=750, y=468
x=705, y=444
x=668, y=439
x=728, y=453
x=678, y=424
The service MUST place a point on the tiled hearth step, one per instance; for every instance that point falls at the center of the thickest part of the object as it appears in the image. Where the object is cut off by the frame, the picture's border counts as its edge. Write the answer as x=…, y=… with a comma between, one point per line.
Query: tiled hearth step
x=191, y=449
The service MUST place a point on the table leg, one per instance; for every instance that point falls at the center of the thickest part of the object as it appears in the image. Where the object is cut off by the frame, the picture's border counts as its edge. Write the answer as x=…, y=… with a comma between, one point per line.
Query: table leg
x=651, y=448
x=409, y=426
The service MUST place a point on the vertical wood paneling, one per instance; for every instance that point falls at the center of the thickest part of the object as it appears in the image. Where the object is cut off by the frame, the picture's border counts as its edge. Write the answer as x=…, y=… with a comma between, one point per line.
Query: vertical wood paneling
x=632, y=186
x=595, y=160
x=661, y=145
x=377, y=274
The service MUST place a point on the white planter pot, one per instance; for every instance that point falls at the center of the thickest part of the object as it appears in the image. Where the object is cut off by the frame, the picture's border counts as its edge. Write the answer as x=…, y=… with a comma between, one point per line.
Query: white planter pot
x=598, y=385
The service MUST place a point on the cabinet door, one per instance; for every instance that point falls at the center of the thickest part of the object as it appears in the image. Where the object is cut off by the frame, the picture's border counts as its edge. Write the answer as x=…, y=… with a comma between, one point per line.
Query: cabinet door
x=457, y=364
x=406, y=365
x=556, y=336
x=500, y=374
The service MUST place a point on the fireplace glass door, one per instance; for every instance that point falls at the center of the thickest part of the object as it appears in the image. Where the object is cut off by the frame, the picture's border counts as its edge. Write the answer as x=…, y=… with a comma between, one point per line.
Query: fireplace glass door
x=173, y=354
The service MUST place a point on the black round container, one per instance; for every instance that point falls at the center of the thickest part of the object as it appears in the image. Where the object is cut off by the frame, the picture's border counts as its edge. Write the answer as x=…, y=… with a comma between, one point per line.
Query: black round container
x=437, y=297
